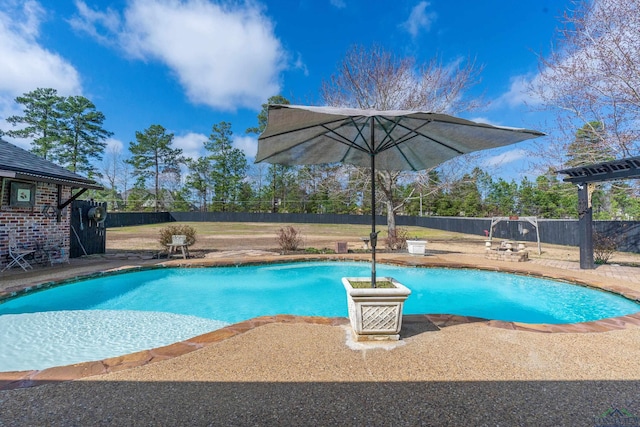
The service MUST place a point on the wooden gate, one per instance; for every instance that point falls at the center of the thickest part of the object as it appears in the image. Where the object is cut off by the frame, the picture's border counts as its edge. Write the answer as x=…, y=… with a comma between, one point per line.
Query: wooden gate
x=88, y=233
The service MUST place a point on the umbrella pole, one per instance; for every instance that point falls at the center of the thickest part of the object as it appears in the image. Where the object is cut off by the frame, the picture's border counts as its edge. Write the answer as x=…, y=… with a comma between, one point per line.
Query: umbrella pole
x=373, y=237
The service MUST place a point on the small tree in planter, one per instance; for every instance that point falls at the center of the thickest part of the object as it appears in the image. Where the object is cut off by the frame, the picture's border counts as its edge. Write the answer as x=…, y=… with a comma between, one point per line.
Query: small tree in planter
x=375, y=313
x=375, y=305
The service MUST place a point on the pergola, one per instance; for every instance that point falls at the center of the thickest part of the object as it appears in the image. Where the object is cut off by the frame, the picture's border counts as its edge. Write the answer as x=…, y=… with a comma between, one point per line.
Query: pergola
x=585, y=177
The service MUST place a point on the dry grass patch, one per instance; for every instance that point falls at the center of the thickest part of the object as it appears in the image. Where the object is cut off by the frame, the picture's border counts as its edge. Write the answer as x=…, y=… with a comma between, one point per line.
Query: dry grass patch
x=222, y=236
x=216, y=236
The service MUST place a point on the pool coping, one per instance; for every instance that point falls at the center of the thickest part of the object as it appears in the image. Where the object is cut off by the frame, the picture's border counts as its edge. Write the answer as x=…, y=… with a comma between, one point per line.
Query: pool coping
x=29, y=378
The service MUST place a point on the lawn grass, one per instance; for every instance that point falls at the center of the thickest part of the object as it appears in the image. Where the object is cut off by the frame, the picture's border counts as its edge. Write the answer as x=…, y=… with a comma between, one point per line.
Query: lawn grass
x=252, y=228
x=219, y=236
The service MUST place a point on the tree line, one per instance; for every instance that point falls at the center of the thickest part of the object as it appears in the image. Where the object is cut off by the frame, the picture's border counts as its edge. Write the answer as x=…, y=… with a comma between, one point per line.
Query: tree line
x=155, y=175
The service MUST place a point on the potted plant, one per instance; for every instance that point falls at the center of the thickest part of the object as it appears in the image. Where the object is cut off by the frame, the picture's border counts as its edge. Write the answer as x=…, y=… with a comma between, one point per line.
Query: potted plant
x=375, y=313
x=416, y=247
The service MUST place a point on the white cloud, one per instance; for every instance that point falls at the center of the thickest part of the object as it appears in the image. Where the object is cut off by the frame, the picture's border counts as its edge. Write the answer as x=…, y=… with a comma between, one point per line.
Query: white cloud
x=419, y=19
x=26, y=65
x=518, y=93
x=340, y=4
x=99, y=25
x=484, y=120
x=248, y=144
x=300, y=65
x=114, y=146
x=224, y=55
x=191, y=144
x=505, y=158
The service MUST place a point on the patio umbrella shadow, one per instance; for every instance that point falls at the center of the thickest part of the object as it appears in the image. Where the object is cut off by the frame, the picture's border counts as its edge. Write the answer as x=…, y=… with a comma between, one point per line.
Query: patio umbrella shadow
x=416, y=325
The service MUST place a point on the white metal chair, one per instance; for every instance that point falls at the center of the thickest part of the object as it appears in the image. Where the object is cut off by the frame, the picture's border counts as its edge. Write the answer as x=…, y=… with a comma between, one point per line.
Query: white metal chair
x=17, y=256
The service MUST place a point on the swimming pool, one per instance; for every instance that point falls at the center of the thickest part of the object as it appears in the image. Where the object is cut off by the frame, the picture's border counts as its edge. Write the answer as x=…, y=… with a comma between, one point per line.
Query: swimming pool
x=156, y=307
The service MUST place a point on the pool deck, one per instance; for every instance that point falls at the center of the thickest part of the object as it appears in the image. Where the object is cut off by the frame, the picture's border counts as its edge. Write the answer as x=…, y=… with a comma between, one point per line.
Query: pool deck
x=287, y=370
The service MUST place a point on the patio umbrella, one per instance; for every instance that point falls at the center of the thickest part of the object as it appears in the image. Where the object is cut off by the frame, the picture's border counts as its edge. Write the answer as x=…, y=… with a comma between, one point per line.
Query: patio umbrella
x=389, y=140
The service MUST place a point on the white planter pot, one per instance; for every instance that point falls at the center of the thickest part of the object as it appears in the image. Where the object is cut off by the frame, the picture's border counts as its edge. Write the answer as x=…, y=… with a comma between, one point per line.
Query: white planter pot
x=417, y=247
x=375, y=313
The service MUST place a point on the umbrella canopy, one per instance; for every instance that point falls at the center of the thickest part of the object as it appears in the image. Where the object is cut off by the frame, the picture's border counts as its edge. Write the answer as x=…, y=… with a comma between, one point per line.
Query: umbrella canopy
x=389, y=140
x=400, y=140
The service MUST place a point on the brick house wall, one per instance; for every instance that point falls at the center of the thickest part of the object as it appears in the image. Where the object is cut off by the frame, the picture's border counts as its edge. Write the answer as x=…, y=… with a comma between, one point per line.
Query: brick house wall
x=30, y=226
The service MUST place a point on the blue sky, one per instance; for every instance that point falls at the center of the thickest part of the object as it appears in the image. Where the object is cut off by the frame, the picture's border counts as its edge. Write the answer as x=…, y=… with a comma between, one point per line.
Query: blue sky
x=189, y=64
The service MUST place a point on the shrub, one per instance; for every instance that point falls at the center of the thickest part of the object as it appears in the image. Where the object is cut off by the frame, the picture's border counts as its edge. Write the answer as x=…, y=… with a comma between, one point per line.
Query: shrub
x=603, y=247
x=167, y=232
x=398, y=240
x=289, y=238
x=319, y=251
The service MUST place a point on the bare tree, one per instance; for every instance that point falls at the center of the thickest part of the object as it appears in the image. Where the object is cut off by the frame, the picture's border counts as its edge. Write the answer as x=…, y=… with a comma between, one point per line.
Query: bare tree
x=126, y=172
x=111, y=171
x=257, y=176
x=374, y=78
x=592, y=77
x=326, y=188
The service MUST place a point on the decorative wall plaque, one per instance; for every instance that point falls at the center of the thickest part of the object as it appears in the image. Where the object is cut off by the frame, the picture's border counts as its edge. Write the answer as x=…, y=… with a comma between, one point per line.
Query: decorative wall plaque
x=22, y=194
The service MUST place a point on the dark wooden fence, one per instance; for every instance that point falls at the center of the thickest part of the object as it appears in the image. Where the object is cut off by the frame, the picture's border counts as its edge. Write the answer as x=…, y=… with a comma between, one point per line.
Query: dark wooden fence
x=123, y=219
x=87, y=236
x=553, y=231
x=275, y=217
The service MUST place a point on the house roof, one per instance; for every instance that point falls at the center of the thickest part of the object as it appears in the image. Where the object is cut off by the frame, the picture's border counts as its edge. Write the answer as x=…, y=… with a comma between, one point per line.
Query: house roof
x=21, y=164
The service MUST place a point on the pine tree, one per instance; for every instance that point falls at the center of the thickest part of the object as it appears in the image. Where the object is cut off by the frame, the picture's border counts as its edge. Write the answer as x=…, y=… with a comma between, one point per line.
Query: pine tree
x=82, y=136
x=229, y=166
x=152, y=155
x=41, y=121
x=589, y=146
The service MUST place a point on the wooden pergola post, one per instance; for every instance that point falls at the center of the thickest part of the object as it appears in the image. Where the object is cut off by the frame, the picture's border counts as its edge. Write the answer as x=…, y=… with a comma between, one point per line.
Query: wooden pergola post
x=585, y=227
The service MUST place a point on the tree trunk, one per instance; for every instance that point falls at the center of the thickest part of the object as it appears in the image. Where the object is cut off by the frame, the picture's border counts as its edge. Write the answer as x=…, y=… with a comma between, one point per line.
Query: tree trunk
x=386, y=182
x=157, y=183
x=391, y=218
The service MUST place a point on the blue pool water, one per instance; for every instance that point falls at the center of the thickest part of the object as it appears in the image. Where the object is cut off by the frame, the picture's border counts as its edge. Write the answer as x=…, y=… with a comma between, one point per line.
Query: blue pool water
x=169, y=305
